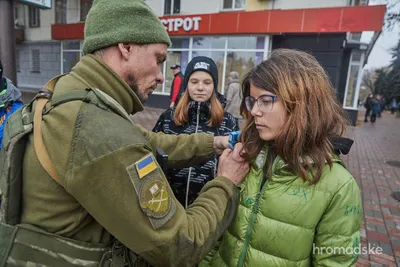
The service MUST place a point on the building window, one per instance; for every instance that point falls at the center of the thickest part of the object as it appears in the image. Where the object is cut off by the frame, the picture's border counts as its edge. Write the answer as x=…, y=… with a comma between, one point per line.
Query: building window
x=178, y=54
x=354, y=79
x=233, y=53
x=35, y=60
x=34, y=17
x=71, y=54
x=85, y=7
x=172, y=7
x=233, y=4
x=61, y=11
x=359, y=2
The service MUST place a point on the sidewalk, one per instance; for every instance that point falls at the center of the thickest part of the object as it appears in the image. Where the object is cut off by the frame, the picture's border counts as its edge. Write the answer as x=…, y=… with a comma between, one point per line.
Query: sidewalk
x=374, y=145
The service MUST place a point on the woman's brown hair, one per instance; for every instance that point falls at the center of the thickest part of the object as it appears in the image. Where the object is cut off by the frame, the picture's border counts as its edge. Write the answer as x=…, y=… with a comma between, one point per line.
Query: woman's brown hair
x=181, y=115
x=312, y=107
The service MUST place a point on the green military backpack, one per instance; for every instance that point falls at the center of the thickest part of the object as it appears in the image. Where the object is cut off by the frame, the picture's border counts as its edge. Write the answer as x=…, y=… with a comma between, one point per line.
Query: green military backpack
x=18, y=240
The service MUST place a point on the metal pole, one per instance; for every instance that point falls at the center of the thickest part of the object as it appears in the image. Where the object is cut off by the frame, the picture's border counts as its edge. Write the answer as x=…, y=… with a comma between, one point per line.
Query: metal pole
x=7, y=39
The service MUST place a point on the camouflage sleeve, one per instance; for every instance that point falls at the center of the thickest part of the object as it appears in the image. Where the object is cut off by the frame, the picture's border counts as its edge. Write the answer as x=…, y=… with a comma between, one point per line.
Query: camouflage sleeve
x=115, y=177
x=183, y=150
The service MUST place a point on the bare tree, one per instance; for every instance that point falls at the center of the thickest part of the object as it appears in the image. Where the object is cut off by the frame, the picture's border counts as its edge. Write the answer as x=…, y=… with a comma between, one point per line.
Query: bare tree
x=368, y=80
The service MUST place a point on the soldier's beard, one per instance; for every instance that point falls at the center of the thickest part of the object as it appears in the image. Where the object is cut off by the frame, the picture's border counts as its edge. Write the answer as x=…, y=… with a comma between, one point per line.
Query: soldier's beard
x=135, y=88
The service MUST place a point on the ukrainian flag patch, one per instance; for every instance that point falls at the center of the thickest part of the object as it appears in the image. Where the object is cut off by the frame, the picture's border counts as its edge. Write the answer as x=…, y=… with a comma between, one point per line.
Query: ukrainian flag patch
x=145, y=166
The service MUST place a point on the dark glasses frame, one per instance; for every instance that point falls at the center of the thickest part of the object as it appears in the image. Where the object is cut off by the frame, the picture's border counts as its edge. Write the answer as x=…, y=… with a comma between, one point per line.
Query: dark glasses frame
x=251, y=100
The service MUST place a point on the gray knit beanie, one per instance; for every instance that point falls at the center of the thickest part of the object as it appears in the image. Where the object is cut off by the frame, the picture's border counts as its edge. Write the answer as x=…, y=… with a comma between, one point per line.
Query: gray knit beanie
x=110, y=22
x=234, y=75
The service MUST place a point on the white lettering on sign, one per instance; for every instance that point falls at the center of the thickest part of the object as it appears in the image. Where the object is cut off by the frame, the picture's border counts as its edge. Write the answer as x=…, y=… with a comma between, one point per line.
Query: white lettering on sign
x=188, y=24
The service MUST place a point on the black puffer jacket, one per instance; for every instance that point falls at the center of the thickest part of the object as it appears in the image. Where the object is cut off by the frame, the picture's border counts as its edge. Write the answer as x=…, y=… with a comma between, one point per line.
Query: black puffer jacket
x=197, y=176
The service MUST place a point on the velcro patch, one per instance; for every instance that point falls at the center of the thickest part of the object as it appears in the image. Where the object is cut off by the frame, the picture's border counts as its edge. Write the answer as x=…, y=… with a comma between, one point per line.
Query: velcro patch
x=145, y=166
x=154, y=194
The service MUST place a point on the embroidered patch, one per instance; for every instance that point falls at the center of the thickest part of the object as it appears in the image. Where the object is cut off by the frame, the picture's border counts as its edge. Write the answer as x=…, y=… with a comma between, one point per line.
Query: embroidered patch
x=154, y=198
x=145, y=166
x=154, y=194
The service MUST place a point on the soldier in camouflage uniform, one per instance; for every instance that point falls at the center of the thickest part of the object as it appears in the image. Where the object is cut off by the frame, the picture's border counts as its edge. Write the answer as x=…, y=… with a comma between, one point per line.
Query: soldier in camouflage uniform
x=111, y=198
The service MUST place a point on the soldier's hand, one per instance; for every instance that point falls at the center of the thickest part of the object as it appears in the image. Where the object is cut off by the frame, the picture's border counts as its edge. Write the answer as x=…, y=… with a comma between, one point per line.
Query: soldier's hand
x=220, y=144
x=232, y=166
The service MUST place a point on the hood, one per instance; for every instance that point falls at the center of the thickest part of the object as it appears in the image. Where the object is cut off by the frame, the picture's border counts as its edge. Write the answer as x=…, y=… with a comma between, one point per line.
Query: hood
x=233, y=81
x=11, y=94
x=341, y=145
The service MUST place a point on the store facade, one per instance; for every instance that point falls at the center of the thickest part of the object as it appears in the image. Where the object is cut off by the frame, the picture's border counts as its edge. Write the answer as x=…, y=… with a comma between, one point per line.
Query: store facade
x=238, y=41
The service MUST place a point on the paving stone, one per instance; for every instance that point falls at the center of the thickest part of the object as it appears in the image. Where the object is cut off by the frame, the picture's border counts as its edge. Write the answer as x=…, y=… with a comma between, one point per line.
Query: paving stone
x=386, y=210
x=374, y=264
x=369, y=213
x=395, y=241
x=395, y=212
x=377, y=214
x=371, y=226
x=386, y=248
x=381, y=229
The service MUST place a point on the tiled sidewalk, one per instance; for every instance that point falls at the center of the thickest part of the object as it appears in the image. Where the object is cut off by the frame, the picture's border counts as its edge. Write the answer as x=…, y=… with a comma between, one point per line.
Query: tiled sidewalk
x=374, y=145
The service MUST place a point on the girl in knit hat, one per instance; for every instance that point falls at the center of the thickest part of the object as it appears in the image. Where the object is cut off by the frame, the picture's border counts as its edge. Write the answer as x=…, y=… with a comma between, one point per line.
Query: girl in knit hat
x=199, y=110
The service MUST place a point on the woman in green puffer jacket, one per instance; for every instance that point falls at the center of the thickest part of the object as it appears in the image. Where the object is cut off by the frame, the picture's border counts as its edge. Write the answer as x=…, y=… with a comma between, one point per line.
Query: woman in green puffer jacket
x=299, y=206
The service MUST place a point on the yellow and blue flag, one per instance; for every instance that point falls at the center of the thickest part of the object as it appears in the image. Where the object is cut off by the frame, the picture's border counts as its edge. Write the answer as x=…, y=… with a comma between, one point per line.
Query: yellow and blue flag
x=145, y=166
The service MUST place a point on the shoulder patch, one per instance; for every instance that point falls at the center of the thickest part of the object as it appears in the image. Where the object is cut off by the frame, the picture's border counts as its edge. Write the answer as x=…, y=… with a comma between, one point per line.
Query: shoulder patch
x=154, y=198
x=154, y=194
x=145, y=166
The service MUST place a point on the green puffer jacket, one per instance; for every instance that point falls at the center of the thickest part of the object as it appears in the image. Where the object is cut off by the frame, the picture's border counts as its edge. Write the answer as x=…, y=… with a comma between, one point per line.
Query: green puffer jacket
x=287, y=222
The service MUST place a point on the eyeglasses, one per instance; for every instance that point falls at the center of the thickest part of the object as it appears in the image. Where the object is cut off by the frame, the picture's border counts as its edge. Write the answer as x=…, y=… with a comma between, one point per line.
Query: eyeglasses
x=265, y=102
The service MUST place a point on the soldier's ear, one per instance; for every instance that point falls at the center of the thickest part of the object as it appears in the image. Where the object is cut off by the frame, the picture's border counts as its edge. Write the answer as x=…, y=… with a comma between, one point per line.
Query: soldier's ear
x=125, y=50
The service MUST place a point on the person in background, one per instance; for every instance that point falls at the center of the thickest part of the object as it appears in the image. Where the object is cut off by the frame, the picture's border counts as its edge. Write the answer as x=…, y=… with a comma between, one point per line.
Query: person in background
x=375, y=108
x=10, y=100
x=233, y=97
x=368, y=106
x=393, y=106
x=177, y=86
x=298, y=198
x=199, y=111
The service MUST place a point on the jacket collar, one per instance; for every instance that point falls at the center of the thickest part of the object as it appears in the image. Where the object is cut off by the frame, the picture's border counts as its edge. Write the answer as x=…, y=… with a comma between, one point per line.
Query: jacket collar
x=96, y=74
x=233, y=81
x=279, y=167
x=202, y=107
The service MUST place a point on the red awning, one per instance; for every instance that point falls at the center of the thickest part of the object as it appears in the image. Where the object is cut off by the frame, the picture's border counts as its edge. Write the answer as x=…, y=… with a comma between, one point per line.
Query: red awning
x=313, y=20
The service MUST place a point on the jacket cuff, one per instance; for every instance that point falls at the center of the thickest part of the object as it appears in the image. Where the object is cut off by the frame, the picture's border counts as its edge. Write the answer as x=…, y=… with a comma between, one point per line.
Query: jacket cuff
x=232, y=190
x=209, y=144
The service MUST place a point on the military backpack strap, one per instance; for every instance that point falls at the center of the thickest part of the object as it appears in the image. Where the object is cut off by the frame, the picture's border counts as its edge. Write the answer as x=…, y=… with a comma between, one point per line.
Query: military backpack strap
x=42, y=98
